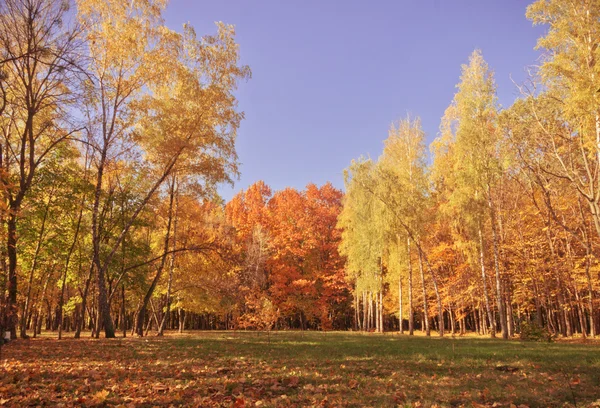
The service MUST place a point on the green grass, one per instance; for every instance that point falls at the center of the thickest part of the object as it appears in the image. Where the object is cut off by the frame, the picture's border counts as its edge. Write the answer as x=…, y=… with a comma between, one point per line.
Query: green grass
x=299, y=369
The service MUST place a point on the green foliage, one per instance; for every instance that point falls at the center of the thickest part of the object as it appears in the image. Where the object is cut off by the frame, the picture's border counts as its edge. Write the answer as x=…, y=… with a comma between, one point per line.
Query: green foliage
x=530, y=331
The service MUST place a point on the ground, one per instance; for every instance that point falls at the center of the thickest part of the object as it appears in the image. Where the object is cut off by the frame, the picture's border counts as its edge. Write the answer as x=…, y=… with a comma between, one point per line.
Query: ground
x=294, y=369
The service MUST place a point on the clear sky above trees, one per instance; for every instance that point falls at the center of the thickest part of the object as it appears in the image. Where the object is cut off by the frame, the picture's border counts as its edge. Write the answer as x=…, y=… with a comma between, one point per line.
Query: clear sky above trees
x=328, y=78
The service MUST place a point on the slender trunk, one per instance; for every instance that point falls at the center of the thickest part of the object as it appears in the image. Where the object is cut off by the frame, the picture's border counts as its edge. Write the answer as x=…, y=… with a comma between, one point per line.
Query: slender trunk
x=482, y=320
x=357, y=325
x=401, y=326
x=381, y=311
x=11, y=250
x=563, y=307
x=365, y=307
x=590, y=292
x=124, y=318
x=476, y=318
x=38, y=247
x=84, y=295
x=377, y=328
x=411, y=310
x=509, y=316
x=588, y=259
x=425, y=309
x=104, y=317
x=41, y=300
x=369, y=311
x=67, y=262
x=595, y=208
x=581, y=314
x=144, y=306
x=61, y=303
x=578, y=300
x=439, y=301
x=452, y=323
x=486, y=295
x=499, y=294
x=171, y=262
x=181, y=320
x=538, y=306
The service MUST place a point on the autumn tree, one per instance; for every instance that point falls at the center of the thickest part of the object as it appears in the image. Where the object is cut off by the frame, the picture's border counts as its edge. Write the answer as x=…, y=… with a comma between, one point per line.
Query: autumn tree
x=247, y=214
x=477, y=169
x=404, y=190
x=39, y=73
x=305, y=266
x=361, y=222
x=183, y=86
x=570, y=74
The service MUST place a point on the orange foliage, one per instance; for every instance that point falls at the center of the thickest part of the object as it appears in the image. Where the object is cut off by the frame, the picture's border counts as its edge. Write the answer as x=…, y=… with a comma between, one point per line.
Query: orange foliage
x=305, y=276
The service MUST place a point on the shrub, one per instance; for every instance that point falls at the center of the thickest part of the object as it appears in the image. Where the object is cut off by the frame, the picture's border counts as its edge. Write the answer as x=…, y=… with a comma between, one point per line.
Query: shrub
x=533, y=332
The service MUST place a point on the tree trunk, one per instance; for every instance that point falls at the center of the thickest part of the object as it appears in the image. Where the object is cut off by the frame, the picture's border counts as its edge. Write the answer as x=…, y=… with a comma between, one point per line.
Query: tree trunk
x=357, y=322
x=590, y=292
x=104, y=318
x=401, y=326
x=81, y=319
x=381, y=311
x=499, y=294
x=439, y=301
x=486, y=296
x=510, y=318
x=452, y=323
x=11, y=250
x=365, y=311
x=181, y=320
x=124, y=318
x=377, y=328
x=369, y=310
x=144, y=306
x=67, y=263
x=425, y=309
x=411, y=310
x=38, y=247
x=172, y=260
x=41, y=301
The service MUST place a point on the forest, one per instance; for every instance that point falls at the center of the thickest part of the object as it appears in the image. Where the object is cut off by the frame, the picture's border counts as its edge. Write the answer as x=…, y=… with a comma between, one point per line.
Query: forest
x=117, y=132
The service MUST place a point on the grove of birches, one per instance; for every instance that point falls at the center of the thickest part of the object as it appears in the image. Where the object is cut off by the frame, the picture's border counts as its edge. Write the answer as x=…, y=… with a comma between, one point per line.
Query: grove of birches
x=116, y=132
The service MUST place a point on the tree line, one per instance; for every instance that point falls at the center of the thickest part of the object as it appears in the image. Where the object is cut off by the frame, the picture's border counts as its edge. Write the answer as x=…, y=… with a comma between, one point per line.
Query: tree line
x=110, y=123
x=497, y=231
x=117, y=130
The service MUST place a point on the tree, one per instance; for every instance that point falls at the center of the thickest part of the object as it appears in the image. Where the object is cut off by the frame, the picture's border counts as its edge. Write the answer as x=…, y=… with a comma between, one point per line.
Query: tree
x=404, y=184
x=39, y=72
x=248, y=216
x=361, y=222
x=571, y=76
x=477, y=167
x=165, y=93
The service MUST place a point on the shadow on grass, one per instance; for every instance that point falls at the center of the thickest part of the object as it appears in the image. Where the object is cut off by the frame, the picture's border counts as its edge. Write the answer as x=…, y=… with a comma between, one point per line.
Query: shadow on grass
x=302, y=368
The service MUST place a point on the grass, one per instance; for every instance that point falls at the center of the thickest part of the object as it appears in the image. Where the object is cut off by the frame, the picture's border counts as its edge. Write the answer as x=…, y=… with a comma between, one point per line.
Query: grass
x=289, y=369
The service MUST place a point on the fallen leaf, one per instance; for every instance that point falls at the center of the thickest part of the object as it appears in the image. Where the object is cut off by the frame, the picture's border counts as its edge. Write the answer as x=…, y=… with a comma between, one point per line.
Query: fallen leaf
x=292, y=381
x=101, y=396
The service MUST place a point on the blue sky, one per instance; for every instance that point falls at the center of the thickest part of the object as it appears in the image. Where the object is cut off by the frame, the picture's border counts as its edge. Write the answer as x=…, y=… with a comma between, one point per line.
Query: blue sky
x=329, y=77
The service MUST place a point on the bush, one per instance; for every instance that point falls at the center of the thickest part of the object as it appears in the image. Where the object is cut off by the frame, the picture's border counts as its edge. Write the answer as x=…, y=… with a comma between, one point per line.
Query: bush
x=533, y=332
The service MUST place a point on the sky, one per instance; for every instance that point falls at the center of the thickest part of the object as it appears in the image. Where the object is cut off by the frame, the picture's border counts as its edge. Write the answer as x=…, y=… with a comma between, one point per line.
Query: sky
x=330, y=76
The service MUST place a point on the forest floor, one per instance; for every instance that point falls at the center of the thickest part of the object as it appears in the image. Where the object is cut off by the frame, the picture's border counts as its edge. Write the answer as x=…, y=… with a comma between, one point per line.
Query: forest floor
x=294, y=369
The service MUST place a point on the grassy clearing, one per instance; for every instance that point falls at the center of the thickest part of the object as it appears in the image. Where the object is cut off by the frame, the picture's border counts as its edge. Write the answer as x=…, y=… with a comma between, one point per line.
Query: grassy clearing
x=290, y=369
